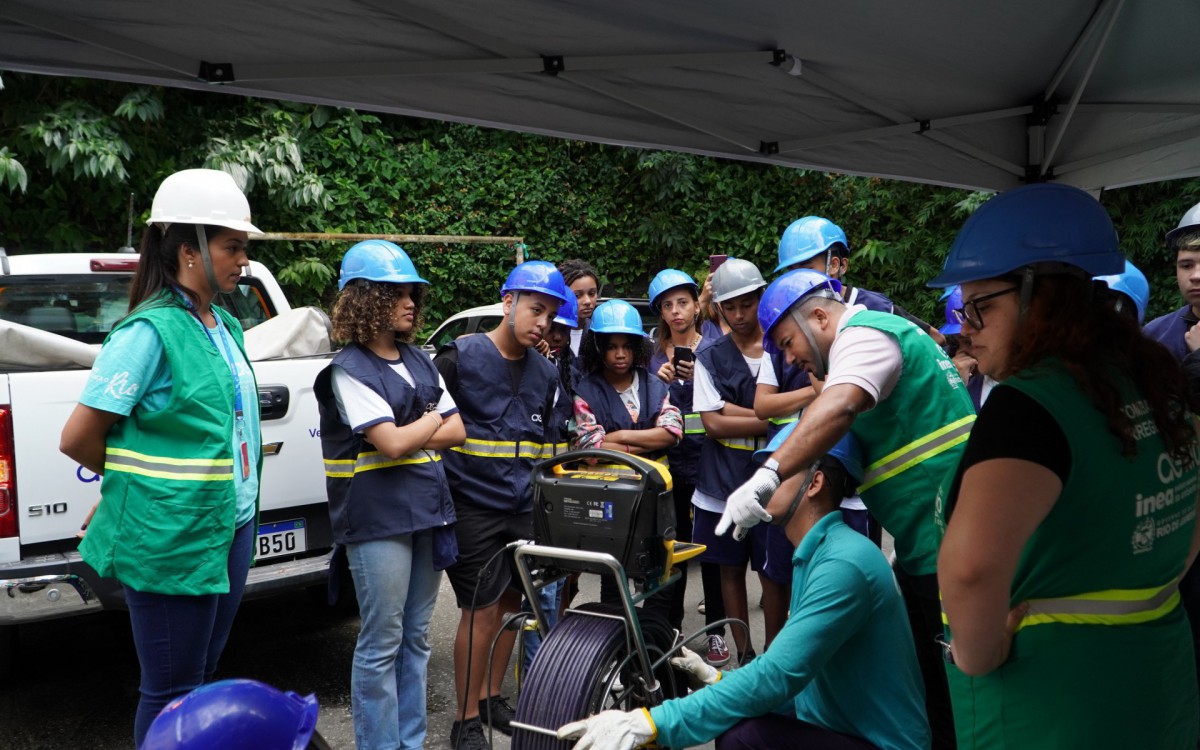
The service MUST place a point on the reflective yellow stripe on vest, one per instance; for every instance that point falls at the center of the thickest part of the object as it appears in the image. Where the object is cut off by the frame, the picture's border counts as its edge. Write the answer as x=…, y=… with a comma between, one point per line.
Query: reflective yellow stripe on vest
x=692, y=424
x=162, y=467
x=503, y=449
x=550, y=450
x=1111, y=607
x=743, y=443
x=908, y=456
x=783, y=421
x=339, y=468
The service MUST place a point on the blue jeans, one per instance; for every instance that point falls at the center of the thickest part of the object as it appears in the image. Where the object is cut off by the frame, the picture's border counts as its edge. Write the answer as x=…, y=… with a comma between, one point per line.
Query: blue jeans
x=397, y=587
x=548, y=597
x=179, y=639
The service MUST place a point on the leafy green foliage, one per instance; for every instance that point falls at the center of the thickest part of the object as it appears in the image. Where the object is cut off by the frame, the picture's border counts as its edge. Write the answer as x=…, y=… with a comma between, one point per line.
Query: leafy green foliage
x=69, y=168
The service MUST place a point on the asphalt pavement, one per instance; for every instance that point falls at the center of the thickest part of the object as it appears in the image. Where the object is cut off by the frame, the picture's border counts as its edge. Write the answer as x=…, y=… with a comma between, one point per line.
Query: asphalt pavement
x=75, y=680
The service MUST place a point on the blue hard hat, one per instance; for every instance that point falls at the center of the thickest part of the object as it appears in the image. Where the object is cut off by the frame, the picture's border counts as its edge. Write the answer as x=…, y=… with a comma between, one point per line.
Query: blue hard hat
x=953, y=299
x=1041, y=223
x=617, y=316
x=785, y=292
x=568, y=312
x=807, y=238
x=234, y=715
x=1132, y=283
x=849, y=455
x=846, y=451
x=378, y=260
x=537, y=276
x=667, y=280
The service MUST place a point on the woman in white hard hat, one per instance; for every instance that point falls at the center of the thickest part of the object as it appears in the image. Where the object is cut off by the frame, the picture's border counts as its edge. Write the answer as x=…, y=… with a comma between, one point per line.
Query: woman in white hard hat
x=170, y=419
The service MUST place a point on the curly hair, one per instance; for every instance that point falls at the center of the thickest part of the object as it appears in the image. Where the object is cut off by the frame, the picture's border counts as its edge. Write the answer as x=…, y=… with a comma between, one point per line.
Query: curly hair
x=364, y=310
x=593, y=345
x=576, y=268
x=1097, y=344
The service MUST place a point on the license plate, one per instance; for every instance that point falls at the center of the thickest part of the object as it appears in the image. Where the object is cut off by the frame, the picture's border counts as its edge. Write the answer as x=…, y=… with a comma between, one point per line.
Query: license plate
x=281, y=538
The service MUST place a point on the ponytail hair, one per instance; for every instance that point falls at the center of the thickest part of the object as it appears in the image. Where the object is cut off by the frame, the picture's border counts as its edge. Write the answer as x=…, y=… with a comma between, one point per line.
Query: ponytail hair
x=159, y=265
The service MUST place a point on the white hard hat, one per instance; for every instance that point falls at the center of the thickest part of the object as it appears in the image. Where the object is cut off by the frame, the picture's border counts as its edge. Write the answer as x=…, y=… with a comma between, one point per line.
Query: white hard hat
x=202, y=196
x=734, y=278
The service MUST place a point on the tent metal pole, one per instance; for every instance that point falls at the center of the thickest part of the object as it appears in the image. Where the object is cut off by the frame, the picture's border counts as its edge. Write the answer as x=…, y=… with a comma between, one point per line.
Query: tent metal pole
x=1060, y=126
x=95, y=37
x=914, y=126
x=1141, y=147
x=1092, y=24
x=619, y=94
x=827, y=84
x=526, y=64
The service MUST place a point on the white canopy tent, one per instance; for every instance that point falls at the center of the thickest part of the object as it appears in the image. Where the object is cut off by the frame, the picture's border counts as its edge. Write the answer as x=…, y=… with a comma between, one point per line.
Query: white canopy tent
x=1095, y=93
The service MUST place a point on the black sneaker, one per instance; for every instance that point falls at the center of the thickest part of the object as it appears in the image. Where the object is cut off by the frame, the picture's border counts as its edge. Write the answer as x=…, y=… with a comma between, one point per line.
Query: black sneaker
x=472, y=735
x=502, y=714
x=746, y=658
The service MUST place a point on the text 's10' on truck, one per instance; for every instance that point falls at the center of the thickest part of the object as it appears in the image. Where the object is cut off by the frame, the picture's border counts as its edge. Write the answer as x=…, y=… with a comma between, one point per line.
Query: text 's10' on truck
x=55, y=311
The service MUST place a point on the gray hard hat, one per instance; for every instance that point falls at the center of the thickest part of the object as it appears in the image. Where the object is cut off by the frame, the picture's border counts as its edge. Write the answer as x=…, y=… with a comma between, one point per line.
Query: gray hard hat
x=734, y=278
x=1189, y=222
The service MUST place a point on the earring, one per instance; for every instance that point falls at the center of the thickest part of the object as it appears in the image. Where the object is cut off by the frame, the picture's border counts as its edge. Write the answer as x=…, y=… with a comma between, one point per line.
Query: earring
x=191, y=263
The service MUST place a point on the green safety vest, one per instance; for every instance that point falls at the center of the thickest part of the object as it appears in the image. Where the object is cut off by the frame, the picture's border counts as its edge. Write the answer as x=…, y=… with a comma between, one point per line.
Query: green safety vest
x=910, y=440
x=1104, y=658
x=166, y=517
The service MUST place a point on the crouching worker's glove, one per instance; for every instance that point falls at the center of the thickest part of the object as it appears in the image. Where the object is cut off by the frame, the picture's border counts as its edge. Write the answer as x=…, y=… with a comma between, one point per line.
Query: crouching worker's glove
x=746, y=506
x=700, y=672
x=610, y=730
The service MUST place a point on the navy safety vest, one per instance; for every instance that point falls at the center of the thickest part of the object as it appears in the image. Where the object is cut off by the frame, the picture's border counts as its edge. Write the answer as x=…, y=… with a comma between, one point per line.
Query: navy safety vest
x=372, y=496
x=790, y=378
x=870, y=300
x=686, y=453
x=564, y=407
x=1169, y=330
x=507, y=433
x=610, y=410
x=726, y=462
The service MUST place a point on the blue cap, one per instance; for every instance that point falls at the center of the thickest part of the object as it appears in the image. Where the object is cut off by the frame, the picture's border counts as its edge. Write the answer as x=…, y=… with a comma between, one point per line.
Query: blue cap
x=234, y=715
x=568, y=312
x=846, y=451
x=1132, y=283
x=953, y=298
x=667, y=280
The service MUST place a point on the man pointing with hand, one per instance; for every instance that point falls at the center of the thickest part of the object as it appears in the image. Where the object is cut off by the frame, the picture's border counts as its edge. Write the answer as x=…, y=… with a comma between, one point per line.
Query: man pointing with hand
x=892, y=387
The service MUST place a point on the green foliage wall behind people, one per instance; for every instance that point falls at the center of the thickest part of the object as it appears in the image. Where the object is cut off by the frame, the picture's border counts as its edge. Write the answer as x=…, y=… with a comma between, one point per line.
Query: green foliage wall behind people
x=73, y=150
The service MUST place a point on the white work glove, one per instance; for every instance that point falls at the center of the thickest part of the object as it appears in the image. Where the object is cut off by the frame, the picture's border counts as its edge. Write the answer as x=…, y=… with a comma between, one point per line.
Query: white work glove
x=689, y=661
x=610, y=730
x=746, y=505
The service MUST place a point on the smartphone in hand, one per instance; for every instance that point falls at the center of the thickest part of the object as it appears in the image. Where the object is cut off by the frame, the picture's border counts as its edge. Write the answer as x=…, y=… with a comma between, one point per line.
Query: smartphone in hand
x=682, y=354
x=715, y=261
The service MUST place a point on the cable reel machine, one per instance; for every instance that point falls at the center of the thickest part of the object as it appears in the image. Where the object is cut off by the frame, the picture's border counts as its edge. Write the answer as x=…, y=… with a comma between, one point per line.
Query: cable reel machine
x=598, y=511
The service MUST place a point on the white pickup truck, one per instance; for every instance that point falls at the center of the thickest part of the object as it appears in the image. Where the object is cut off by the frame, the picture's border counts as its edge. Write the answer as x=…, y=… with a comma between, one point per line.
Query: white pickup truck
x=55, y=310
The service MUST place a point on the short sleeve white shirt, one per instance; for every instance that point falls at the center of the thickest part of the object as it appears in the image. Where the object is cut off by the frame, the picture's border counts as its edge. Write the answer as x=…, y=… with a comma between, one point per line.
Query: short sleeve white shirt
x=360, y=407
x=866, y=357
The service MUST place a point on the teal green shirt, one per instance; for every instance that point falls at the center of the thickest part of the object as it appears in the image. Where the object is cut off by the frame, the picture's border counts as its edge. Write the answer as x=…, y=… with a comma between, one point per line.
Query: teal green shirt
x=132, y=370
x=845, y=656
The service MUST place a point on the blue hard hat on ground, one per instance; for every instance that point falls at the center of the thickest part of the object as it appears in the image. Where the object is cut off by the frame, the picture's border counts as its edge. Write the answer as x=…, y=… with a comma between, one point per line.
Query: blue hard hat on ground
x=807, y=238
x=1042, y=223
x=1132, y=283
x=537, y=276
x=785, y=292
x=234, y=715
x=953, y=299
x=568, y=312
x=667, y=280
x=378, y=260
x=617, y=316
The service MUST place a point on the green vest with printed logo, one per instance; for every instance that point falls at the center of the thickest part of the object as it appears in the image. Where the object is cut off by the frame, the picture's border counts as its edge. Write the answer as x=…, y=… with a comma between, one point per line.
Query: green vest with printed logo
x=1104, y=658
x=166, y=517
x=910, y=440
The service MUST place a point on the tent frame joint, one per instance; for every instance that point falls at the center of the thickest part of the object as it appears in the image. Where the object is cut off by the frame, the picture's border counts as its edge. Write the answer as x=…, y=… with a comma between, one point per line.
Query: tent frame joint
x=768, y=148
x=553, y=64
x=215, y=72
